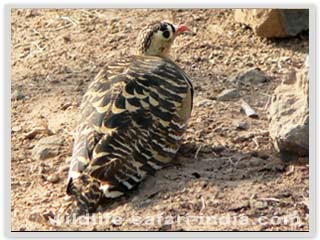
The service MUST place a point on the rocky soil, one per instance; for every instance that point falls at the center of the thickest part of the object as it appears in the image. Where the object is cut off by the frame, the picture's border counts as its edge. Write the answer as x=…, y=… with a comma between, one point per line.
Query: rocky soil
x=227, y=166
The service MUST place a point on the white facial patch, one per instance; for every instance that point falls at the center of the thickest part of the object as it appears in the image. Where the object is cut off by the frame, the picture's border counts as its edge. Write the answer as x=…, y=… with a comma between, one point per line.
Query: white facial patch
x=160, y=45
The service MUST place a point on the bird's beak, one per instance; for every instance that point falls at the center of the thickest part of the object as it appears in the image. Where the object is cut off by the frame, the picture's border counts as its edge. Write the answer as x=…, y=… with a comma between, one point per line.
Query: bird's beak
x=182, y=28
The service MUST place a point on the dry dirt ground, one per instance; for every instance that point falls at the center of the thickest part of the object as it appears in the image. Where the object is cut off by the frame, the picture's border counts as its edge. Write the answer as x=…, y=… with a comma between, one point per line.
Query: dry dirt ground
x=220, y=172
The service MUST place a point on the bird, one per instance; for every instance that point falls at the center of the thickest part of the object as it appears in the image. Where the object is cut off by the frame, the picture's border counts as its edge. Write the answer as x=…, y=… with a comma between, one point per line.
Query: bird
x=132, y=120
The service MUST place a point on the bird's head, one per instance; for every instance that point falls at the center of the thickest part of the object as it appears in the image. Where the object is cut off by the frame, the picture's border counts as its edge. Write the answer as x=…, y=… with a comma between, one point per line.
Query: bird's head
x=157, y=38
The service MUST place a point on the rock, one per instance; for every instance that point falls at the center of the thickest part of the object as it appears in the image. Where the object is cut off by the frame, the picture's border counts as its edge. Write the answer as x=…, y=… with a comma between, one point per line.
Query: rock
x=241, y=125
x=44, y=153
x=289, y=114
x=200, y=102
x=248, y=110
x=16, y=129
x=54, y=178
x=218, y=148
x=272, y=23
x=36, y=131
x=239, y=205
x=228, y=94
x=35, y=217
x=251, y=76
x=242, y=138
x=47, y=147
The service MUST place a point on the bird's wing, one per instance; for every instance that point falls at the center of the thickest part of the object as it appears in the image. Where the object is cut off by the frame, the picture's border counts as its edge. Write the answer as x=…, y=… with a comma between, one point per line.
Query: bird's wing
x=96, y=108
x=136, y=118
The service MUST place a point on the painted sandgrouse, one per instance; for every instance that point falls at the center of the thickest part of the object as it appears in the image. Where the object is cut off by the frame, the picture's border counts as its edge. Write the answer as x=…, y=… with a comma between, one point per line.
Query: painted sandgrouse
x=132, y=120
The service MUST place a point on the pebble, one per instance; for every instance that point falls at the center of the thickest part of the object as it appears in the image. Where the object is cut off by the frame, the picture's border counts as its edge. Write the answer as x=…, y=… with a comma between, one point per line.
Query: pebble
x=242, y=125
x=254, y=75
x=16, y=129
x=243, y=138
x=47, y=147
x=43, y=152
x=35, y=217
x=219, y=148
x=54, y=178
x=228, y=94
x=237, y=206
x=204, y=103
x=34, y=132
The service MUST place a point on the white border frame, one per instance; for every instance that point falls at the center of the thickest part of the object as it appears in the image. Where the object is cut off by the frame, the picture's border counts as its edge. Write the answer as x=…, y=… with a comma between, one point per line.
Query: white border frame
x=7, y=129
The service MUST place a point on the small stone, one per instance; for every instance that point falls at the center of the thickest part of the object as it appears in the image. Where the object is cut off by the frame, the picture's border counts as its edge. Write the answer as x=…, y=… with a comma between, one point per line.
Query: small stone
x=242, y=125
x=54, y=178
x=251, y=76
x=36, y=131
x=284, y=194
x=244, y=137
x=47, y=147
x=228, y=94
x=248, y=110
x=16, y=129
x=218, y=149
x=237, y=206
x=35, y=217
x=204, y=103
x=44, y=153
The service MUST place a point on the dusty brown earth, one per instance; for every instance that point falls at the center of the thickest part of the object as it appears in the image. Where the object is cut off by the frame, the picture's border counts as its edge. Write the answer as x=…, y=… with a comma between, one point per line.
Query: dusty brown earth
x=220, y=172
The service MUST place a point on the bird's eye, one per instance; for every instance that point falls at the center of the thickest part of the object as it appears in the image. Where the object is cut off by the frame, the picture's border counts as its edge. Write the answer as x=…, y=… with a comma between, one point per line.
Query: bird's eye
x=166, y=34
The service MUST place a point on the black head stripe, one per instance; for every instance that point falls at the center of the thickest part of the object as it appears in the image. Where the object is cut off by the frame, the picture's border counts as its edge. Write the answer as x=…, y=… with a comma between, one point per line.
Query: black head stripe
x=148, y=34
x=173, y=29
x=163, y=27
